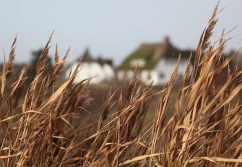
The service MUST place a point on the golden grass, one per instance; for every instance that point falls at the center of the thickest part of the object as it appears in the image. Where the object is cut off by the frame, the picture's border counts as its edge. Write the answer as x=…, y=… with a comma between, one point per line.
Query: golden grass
x=205, y=128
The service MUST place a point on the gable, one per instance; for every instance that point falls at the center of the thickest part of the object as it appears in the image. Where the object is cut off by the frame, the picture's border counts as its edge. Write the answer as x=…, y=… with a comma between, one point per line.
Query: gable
x=144, y=53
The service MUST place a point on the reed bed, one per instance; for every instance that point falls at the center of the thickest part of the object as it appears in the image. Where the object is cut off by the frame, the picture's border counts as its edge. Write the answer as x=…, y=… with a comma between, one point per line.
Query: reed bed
x=205, y=128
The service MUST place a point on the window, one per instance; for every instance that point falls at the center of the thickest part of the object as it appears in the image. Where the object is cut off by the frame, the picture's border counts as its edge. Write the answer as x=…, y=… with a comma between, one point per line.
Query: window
x=180, y=77
x=149, y=76
x=161, y=75
x=140, y=62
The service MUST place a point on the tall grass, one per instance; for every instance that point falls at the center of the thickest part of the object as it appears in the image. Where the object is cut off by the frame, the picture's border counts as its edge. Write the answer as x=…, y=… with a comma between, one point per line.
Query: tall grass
x=45, y=129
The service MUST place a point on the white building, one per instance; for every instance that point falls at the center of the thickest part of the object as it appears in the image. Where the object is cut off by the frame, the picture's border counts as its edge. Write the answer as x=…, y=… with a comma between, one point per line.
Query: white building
x=100, y=69
x=156, y=63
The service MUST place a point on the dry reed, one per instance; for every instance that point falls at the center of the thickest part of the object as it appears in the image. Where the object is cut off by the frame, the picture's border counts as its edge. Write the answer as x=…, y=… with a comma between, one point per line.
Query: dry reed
x=204, y=130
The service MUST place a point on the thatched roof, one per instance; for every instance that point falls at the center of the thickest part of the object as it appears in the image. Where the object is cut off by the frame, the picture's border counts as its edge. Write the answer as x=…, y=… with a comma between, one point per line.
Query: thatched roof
x=152, y=53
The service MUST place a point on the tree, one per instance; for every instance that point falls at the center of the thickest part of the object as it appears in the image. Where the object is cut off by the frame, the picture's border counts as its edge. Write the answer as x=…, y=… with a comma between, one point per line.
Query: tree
x=32, y=66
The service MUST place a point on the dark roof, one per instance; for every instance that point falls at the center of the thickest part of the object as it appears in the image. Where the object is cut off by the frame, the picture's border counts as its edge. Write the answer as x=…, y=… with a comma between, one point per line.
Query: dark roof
x=103, y=61
x=86, y=56
x=152, y=53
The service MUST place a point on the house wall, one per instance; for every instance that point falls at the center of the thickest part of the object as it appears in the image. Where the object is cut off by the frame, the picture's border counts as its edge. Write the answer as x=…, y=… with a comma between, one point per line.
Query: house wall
x=87, y=70
x=121, y=74
x=109, y=73
x=146, y=76
x=159, y=75
x=166, y=67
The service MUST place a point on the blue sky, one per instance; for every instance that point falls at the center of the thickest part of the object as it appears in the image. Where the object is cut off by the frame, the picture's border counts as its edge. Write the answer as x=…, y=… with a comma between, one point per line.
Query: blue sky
x=111, y=28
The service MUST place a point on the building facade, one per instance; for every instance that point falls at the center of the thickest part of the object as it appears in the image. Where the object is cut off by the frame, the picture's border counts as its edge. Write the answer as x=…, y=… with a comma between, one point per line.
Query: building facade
x=100, y=69
x=156, y=62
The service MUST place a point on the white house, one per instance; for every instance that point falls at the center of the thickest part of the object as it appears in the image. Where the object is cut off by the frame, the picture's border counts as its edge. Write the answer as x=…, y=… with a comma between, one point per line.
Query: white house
x=90, y=67
x=156, y=62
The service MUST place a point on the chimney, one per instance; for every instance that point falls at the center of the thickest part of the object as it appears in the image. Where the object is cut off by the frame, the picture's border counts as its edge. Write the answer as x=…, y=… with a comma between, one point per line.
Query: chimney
x=166, y=41
x=86, y=52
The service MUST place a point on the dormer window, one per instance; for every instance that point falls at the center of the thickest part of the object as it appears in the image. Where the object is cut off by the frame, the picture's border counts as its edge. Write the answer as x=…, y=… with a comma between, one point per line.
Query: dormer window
x=140, y=62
